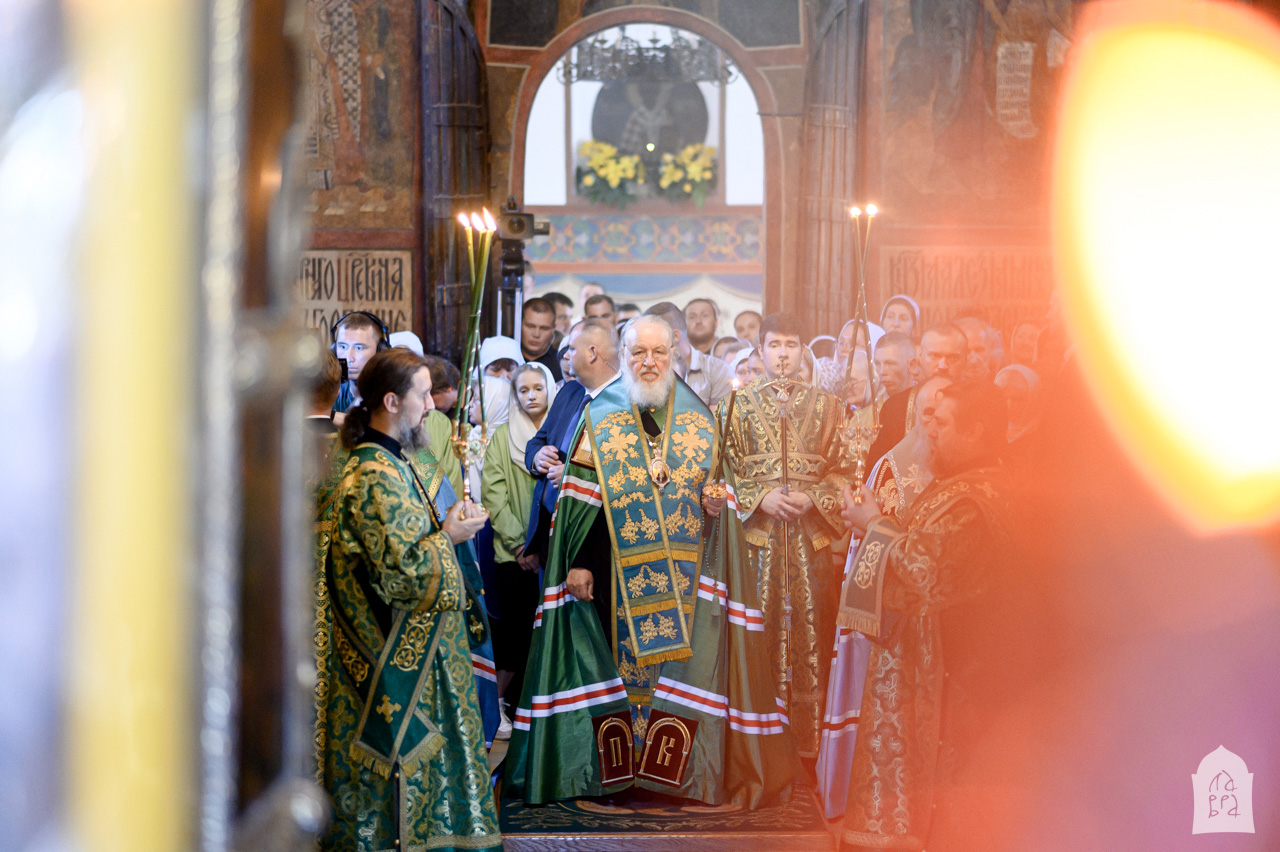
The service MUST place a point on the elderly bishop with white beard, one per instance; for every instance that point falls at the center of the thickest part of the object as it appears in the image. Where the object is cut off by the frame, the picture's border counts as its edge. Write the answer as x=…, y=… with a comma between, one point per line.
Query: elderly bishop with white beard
x=648, y=666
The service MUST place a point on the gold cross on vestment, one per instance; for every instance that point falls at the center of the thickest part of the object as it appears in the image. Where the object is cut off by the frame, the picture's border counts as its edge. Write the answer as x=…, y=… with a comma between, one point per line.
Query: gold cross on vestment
x=386, y=708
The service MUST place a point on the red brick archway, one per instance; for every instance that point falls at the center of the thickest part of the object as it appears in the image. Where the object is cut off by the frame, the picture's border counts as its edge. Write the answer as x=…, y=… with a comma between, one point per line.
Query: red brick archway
x=749, y=63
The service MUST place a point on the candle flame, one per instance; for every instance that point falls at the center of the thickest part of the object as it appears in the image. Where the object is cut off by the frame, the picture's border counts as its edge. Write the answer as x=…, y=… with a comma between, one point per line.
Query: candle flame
x=490, y=225
x=463, y=221
x=477, y=222
x=855, y=212
x=736, y=383
x=872, y=210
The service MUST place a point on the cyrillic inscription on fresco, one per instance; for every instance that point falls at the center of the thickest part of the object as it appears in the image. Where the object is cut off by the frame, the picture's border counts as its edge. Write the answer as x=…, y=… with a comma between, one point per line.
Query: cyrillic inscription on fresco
x=1007, y=283
x=332, y=282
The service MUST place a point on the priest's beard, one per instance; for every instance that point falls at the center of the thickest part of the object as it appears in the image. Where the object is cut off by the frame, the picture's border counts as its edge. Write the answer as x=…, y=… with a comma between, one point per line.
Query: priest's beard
x=648, y=394
x=413, y=438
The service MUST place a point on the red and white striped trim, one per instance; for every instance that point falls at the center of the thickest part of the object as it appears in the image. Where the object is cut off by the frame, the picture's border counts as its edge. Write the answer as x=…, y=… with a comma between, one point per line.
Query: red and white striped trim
x=752, y=619
x=581, y=489
x=483, y=668
x=845, y=723
x=713, y=590
x=568, y=700
x=740, y=614
x=557, y=596
x=718, y=705
x=732, y=502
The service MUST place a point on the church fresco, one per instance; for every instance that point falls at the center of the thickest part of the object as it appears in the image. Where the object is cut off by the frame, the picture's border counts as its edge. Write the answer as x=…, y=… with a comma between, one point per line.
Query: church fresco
x=360, y=143
x=970, y=89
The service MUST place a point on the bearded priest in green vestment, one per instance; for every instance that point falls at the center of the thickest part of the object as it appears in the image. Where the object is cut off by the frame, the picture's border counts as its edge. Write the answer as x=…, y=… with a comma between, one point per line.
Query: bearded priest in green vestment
x=648, y=649
x=400, y=732
x=920, y=590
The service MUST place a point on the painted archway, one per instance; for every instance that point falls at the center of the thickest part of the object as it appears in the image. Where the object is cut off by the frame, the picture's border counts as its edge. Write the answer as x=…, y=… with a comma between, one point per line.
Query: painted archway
x=775, y=263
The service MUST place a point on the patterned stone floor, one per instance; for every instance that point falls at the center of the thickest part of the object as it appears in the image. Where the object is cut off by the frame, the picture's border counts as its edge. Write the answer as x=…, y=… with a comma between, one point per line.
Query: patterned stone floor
x=644, y=823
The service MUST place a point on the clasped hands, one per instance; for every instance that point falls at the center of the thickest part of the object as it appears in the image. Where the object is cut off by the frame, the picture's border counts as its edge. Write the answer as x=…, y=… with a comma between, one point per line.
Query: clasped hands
x=786, y=506
x=547, y=461
x=463, y=520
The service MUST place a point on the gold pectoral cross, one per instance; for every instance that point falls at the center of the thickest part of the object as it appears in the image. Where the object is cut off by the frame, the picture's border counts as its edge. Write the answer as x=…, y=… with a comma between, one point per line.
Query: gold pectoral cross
x=386, y=708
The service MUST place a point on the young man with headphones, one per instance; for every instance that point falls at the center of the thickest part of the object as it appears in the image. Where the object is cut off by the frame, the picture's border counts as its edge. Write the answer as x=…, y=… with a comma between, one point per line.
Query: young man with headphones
x=356, y=337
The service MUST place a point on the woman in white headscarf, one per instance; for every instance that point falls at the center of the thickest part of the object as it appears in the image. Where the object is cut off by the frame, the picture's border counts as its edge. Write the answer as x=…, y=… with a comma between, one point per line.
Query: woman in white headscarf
x=830, y=372
x=1021, y=387
x=901, y=314
x=497, y=401
x=507, y=492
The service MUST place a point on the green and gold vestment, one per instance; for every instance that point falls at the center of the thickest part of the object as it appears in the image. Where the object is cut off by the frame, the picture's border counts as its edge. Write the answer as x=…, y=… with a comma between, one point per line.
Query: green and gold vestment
x=795, y=554
x=400, y=733
x=681, y=702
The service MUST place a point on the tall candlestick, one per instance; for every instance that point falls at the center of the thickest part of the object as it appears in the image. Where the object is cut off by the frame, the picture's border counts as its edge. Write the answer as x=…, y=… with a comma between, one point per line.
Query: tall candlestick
x=724, y=429
x=861, y=435
x=471, y=249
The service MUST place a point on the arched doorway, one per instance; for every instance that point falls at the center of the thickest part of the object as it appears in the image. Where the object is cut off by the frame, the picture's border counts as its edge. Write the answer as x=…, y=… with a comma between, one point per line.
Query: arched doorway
x=773, y=259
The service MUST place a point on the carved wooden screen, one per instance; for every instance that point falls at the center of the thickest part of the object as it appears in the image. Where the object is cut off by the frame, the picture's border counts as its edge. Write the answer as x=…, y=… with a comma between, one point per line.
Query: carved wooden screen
x=455, y=169
x=831, y=176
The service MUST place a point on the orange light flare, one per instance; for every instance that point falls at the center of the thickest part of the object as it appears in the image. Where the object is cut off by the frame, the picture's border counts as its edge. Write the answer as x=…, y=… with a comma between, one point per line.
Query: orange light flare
x=1166, y=203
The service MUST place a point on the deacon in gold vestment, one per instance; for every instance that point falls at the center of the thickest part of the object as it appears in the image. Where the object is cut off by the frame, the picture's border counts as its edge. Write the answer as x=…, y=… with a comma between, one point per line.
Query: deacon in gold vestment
x=790, y=530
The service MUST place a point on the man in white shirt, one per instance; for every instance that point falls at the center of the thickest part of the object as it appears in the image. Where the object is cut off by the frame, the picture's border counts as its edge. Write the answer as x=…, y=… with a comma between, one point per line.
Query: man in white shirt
x=710, y=378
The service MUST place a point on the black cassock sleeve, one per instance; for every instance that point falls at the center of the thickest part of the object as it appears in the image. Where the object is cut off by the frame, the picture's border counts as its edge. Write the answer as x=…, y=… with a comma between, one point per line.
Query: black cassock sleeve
x=594, y=555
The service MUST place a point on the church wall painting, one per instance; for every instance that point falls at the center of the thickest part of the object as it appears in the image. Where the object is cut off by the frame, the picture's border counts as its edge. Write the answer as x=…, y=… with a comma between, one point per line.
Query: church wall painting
x=361, y=142
x=968, y=95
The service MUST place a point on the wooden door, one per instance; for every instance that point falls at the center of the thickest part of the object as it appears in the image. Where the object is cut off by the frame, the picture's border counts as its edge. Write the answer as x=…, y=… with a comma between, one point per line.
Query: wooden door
x=455, y=167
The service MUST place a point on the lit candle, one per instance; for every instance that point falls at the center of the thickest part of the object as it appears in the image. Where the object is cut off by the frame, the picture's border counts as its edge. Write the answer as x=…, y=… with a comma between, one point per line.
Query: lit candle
x=724, y=430
x=728, y=418
x=471, y=250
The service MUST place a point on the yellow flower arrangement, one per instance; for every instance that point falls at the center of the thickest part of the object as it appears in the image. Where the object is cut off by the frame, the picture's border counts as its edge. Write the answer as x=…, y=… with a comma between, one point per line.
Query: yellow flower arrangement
x=688, y=174
x=605, y=176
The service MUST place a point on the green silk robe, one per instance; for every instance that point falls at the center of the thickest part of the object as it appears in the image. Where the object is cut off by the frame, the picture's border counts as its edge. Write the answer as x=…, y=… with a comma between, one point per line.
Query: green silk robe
x=818, y=466
x=506, y=490
x=394, y=584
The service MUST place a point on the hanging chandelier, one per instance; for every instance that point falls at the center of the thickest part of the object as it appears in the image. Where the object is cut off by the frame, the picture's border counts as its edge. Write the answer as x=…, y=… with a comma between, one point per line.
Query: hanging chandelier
x=681, y=59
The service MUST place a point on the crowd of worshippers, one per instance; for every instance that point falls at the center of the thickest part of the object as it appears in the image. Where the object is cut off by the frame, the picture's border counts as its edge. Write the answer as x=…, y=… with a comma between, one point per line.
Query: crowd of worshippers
x=954, y=401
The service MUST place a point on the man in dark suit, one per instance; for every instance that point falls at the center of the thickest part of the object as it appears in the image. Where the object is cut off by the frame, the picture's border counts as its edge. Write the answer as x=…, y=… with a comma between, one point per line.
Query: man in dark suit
x=593, y=357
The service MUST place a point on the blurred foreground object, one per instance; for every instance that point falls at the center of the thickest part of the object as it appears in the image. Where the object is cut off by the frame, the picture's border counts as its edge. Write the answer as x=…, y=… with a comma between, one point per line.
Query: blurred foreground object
x=1165, y=217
